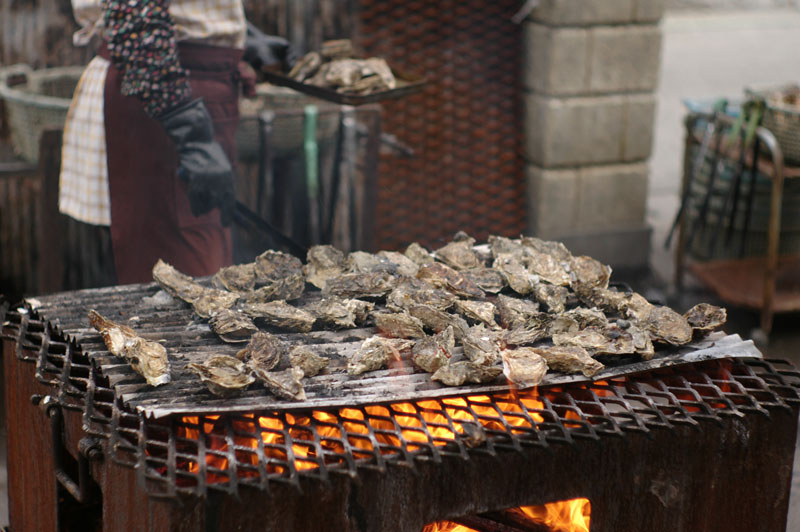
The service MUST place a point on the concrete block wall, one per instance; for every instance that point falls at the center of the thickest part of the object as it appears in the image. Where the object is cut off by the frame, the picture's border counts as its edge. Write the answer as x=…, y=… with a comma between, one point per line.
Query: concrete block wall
x=590, y=74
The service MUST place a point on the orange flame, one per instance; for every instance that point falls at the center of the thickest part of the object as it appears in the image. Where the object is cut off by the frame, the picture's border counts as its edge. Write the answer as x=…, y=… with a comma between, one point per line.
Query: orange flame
x=447, y=526
x=562, y=516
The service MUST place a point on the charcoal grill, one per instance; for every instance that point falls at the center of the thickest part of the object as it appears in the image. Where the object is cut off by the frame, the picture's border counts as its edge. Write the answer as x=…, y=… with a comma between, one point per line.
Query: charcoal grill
x=700, y=446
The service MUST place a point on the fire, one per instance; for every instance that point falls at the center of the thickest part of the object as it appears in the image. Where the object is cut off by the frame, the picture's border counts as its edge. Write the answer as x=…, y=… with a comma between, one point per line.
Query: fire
x=563, y=516
x=447, y=526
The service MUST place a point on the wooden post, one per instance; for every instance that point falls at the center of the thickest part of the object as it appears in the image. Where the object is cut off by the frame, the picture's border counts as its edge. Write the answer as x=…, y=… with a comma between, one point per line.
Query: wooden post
x=51, y=228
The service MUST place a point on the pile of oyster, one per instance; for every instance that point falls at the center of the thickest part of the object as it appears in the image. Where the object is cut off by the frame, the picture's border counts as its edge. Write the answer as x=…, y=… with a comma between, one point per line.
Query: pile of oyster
x=463, y=313
x=334, y=67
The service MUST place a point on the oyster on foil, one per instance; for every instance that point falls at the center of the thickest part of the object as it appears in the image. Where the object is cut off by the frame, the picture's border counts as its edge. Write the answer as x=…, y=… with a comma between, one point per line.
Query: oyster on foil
x=147, y=358
x=398, y=325
x=232, y=327
x=411, y=292
x=282, y=315
x=569, y=359
x=586, y=272
x=323, y=262
x=705, y=317
x=307, y=360
x=587, y=317
x=523, y=366
x=515, y=312
x=433, y=352
x=264, y=352
x=286, y=384
x=458, y=373
x=667, y=326
x=480, y=311
x=609, y=341
x=353, y=285
x=443, y=276
x=375, y=353
x=223, y=375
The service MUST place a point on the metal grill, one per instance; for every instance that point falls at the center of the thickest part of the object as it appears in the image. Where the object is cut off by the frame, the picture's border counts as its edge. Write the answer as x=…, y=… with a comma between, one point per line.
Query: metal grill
x=465, y=127
x=198, y=454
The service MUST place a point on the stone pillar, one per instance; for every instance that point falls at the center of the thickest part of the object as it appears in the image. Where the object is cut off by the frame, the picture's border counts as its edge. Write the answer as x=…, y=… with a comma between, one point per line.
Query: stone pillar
x=590, y=75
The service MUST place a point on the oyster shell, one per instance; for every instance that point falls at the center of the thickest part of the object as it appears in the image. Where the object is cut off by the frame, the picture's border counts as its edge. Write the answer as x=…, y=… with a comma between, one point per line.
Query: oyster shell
x=239, y=278
x=405, y=266
x=232, y=327
x=337, y=49
x=487, y=279
x=285, y=384
x=398, y=325
x=523, y=366
x=516, y=274
x=147, y=358
x=433, y=352
x=547, y=267
x=642, y=342
x=281, y=314
x=706, y=317
x=419, y=254
x=306, y=66
x=373, y=284
x=307, y=360
x=666, y=325
x=212, y=301
x=223, y=375
x=569, y=359
x=515, y=312
x=437, y=320
x=587, y=317
x=411, y=292
x=176, y=283
x=500, y=245
x=273, y=265
x=264, y=351
x=360, y=309
x=443, y=276
x=286, y=288
x=332, y=312
x=480, y=346
x=553, y=297
x=527, y=333
x=637, y=308
x=343, y=72
x=324, y=262
x=609, y=341
x=363, y=262
x=459, y=255
x=555, y=249
x=562, y=323
x=375, y=353
x=587, y=272
x=482, y=311
x=458, y=373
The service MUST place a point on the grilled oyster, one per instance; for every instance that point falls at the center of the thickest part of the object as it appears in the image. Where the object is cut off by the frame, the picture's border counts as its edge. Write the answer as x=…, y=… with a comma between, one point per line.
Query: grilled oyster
x=486, y=279
x=480, y=346
x=515, y=312
x=419, y=254
x=587, y=317
x=500, y=245
x=285, y=384
x=307, y=360
x=232, y=326
x=324, y=262
x=666, y=325
x=553, y=297
x=516, y=274
x=481, y=311
x=281, y=314
x=609, y=341
x=443, y=276
x=555, y=249
x=459, y=255
x=373, y=284
x=433, y=352
x=239, y=278
x=606, y=299
x=547, y=267
x=587, y=272
x=458, y=373
x=569, y=359
x=360, y=309
x=223, y=375
x=705, y=317
x=306, y=66
x=264, y=352
x=286, y=288
x=273, y=265
x=523, y=366
x=176, y=283
x=363, y=262
x=411, y=292
x=398, y=325
x=561, y=323
x=637, y=308
x=405, y=266
x=527, y=333
x=332, y=312
x=642, y=342
x=337, y=49
x=212, y=301
x=343, y=72
x=375, y=353
x=436, y=320
x=147, y=358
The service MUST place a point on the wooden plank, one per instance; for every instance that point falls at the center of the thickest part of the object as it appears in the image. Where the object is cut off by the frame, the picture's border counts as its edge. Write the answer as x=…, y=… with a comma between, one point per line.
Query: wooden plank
x=51, y=223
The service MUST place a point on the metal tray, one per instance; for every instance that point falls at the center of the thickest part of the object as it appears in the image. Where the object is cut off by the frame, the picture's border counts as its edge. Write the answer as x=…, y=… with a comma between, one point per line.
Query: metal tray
x=406, y=84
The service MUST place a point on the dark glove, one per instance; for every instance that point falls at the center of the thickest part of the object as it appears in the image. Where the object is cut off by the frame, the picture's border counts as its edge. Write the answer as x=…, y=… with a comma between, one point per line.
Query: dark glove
x=201, y=161
x=268, y=51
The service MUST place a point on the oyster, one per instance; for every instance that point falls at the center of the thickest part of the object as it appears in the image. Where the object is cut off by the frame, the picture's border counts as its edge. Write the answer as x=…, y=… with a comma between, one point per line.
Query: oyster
x=363, y=262
x=480, y=346
x=555, y=249
x=443, y=276
x=554, y=297
x=285, y=384
x=523, y=366
x=232, y=326
x=588, y=272
x=176, y=283
x=637, y=308
x=706, y=317
x=642, y=342
x=286, y=288
x=360, y=309
x=433, y=352
x=415, y=292
x=281, y=314
x=527, y=333
x=239, y=278
x=666, y=325
x=605, y=299
x=561, y=323
x=264, y=351
x=147, y=358
x=212, y=301
x=516, y=274
x=378, y=67
x=272, y=265
x=337, y=49
x=375, y=353
x=306, y=66
x=405, y=266
x=487, y=279
x=398, y=325
x=373, y=284
x=609, y=341
x=459, y=255
x=437, y=320
x=587, y=317
x=515, y=312
x=458, y=373
x=482, y=311
x=569, y=359
x=324, y=262
x=223, y=375
x=332, y=312
x=547, y=267
x=501, y=245
x=419, y=254
x=307, y=360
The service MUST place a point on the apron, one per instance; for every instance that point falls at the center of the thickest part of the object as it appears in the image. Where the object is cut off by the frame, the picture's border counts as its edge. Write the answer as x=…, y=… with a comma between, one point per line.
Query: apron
x=150, y=214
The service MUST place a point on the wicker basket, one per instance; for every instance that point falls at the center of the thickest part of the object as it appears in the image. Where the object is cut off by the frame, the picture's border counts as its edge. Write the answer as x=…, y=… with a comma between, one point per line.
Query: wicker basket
x=39, y=101
x=782, y=118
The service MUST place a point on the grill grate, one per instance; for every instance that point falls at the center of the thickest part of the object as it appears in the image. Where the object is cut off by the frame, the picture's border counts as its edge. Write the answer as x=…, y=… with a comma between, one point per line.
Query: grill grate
x=195, y=454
